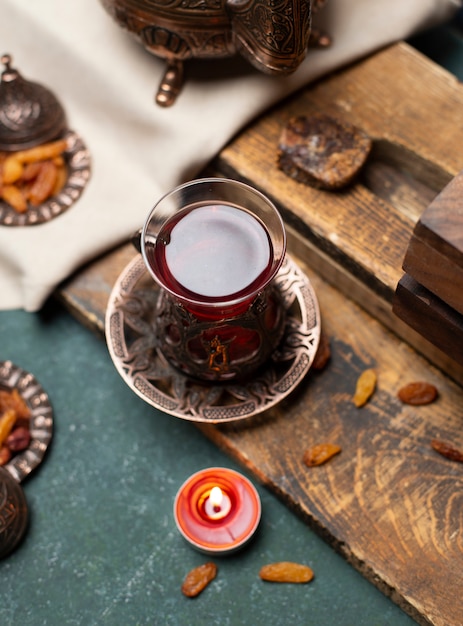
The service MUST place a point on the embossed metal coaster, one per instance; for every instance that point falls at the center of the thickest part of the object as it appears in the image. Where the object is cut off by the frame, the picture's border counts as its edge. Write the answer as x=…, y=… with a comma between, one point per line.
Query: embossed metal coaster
x=133, y=346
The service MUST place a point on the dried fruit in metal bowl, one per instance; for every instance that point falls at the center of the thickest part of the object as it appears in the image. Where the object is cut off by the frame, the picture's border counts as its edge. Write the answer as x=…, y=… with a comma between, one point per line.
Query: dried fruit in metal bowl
x=14, y=425
x=286, y=572
x=198, y=578
x=418, y=393
x=29, y=177
x=321, y=453
x=365, y=386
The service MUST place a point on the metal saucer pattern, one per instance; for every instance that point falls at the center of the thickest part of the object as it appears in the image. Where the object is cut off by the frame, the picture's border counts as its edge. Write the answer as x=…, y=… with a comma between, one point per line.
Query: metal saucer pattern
x=41, y=420
x=78, y=163
x=131, y=338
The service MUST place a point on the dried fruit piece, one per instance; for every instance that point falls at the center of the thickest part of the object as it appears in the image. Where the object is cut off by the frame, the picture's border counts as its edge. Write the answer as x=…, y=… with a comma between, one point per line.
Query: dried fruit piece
x=323, y=354
x=43, y=185
x=42, y=152
x=322, y=151
x=19, y=439
x=13, y=400
x=447, y=450
x=321, y=453
x=12, y=170
x=418, y=393
x=7, y=421
x=198, y=578
x=366, y=384
x=286, y=572
x=31, y=171
x=14, y=197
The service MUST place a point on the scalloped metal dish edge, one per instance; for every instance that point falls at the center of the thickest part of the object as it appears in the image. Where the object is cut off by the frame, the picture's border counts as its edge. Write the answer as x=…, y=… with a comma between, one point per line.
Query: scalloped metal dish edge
x=79, y=171
x=41, y=421
x=148, y=374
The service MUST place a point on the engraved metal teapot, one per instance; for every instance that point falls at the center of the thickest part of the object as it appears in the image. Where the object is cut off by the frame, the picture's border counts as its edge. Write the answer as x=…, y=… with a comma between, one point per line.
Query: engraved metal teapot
x=273, y=35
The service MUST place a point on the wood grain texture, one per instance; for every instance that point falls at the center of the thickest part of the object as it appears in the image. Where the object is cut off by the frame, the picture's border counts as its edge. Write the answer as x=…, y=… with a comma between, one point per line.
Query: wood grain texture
x=411, y=109
x=388, y=502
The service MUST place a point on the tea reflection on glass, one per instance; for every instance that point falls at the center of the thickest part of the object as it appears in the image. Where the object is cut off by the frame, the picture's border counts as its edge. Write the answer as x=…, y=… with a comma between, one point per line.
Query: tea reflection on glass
x=214, y=246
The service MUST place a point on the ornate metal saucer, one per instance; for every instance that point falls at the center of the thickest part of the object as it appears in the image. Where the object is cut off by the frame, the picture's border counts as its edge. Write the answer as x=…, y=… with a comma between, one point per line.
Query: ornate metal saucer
x=41, y=421
x=78, y=163
x=131, y=339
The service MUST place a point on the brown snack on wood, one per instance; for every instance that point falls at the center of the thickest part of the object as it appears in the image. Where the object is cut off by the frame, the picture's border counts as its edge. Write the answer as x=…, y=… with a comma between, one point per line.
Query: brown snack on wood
x=323, y=354
x=418, y=393
x=366, y=384
x=321, y=453
x=447, y=450
x=198, y=578
x=286, y=572
x=322, y=152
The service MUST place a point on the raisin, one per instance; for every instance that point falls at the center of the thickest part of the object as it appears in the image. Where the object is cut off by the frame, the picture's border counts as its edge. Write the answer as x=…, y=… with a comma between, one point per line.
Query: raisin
x=447, y=450
x=198, y=578
x=418, y=393
x=323, y=354
x=320, y=453
x=286, y=572
x=366, y=384
x=19, y=439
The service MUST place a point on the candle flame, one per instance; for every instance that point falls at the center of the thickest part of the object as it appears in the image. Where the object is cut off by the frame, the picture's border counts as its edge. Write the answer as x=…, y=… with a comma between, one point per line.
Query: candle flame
x=216, y=497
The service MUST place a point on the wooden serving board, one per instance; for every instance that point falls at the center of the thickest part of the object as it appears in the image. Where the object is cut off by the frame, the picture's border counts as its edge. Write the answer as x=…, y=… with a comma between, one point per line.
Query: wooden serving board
x=389, y=503
x=358, y=239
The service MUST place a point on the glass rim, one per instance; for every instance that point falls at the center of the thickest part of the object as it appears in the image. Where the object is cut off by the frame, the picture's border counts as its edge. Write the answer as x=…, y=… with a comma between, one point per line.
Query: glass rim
x=235, y=298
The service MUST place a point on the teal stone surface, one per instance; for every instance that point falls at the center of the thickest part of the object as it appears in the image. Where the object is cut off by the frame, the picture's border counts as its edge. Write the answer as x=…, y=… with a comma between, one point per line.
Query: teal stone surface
x=102, y=546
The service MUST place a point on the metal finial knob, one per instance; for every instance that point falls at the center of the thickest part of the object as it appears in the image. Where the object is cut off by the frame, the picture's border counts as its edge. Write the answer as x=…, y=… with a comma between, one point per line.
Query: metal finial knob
x=30, y=114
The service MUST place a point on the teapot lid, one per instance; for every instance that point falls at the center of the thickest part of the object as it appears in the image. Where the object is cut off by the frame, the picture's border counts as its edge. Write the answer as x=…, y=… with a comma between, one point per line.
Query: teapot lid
x=30, y=114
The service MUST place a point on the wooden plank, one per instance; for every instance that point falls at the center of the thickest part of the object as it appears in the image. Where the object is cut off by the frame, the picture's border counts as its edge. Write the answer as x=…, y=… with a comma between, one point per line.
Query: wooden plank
x=430, y=315
x=435, y=253
x=411, y=108
x=388, y=502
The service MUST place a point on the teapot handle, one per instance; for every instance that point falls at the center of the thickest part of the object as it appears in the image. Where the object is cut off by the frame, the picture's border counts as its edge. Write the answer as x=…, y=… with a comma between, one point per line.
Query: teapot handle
x=273, y=36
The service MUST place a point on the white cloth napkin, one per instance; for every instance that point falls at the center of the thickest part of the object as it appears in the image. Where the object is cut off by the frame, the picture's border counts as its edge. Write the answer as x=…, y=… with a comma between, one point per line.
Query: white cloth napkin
x=106, y=82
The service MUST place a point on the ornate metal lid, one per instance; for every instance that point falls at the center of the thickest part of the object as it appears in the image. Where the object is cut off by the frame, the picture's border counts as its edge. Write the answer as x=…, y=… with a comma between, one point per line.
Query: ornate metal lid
x=14, y=513
x=30, y=114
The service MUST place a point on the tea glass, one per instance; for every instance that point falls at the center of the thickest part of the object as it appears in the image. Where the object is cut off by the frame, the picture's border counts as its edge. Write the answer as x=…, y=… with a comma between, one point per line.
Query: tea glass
x=214, y=247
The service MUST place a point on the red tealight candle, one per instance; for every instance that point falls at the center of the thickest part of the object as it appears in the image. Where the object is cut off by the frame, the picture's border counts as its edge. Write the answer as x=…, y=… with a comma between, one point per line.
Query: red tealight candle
x=217, y=510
